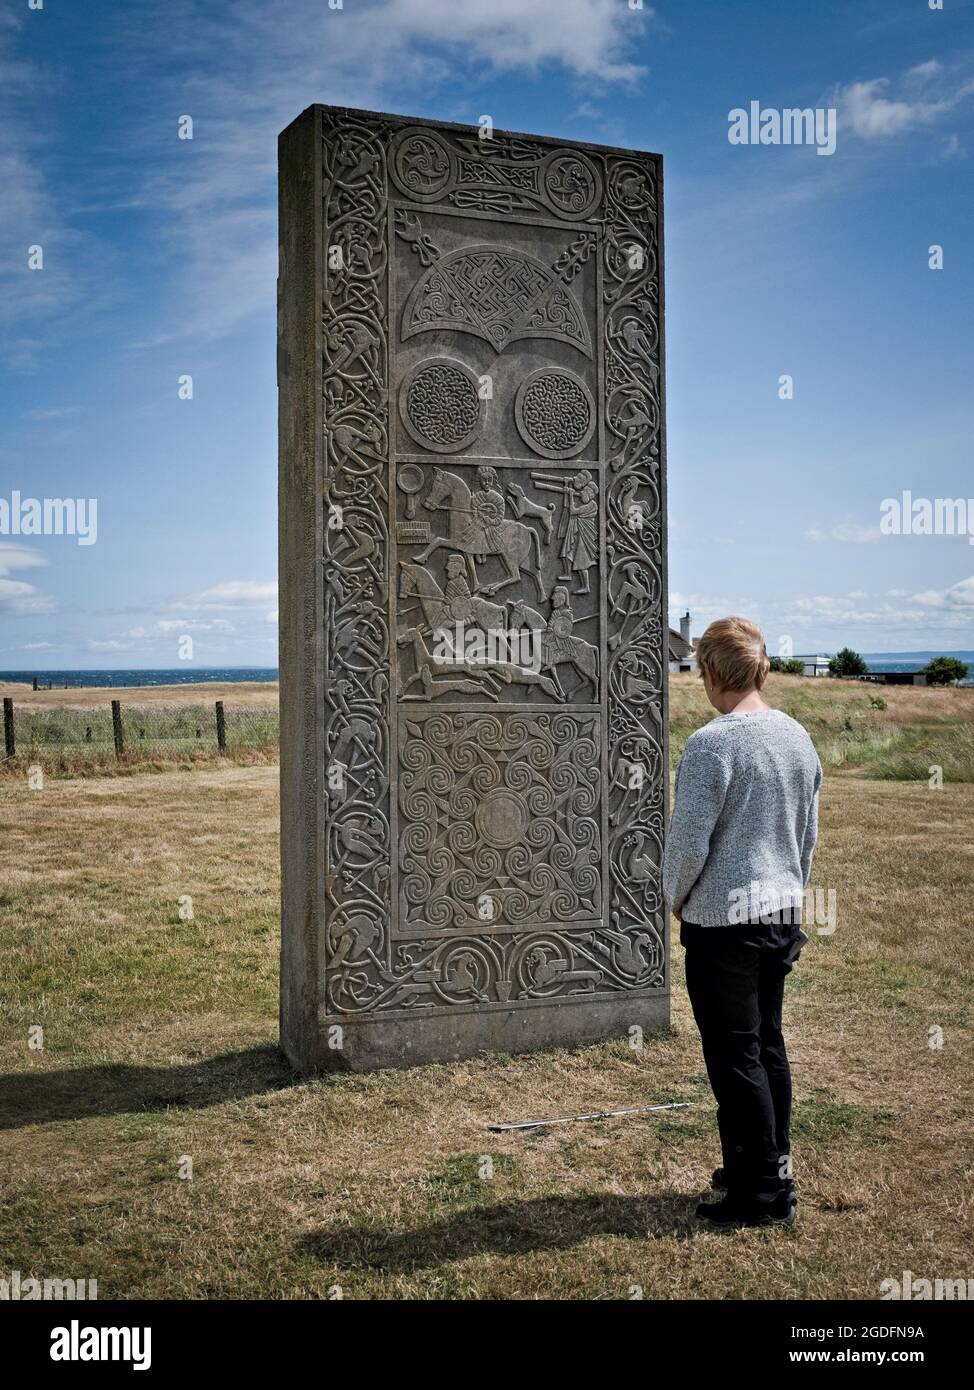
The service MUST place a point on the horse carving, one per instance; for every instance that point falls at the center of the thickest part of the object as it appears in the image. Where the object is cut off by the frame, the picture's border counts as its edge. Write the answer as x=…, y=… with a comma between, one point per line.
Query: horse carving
x=516, y=545
x=573, y=650
x=438, y=610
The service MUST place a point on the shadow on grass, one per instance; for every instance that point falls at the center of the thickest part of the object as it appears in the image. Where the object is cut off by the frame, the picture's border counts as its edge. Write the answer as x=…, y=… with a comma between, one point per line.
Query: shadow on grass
x=510, y=1228
x=36, y=1097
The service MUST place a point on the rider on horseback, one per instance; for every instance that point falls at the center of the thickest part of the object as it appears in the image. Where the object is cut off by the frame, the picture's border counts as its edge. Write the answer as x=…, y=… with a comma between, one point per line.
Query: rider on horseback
x=480, y=531
x=457, y=592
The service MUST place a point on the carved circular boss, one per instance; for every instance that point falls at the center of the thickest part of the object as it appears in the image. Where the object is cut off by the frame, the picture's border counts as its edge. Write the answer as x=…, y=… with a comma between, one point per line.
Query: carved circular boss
x=440, y=405
x=555, y=413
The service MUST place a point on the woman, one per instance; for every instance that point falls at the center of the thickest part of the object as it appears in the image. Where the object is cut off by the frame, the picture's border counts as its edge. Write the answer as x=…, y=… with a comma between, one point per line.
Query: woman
x=737, y=860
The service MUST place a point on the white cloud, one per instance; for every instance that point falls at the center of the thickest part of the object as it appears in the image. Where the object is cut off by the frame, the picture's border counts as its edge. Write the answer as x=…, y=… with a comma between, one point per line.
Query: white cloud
x=32, y=211
x=17, y=597
x=882, y=108
x=234, y=593
x=244, y=601
x=167, y=625
x=22, y=599
x=243, y=75
x=847, y=530
x=828, y=621
x=14, y=556
x=62, y=412
x=951, y=149
x=958, y=596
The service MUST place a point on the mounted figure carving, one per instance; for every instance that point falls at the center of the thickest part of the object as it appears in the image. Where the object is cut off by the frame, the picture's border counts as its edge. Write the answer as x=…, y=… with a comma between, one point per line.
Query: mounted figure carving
x=478, y=528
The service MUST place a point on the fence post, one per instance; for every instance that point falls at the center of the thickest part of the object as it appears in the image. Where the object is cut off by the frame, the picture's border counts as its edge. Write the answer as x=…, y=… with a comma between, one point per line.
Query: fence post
x=117, y=728
x=221, y=728
x=9, y=740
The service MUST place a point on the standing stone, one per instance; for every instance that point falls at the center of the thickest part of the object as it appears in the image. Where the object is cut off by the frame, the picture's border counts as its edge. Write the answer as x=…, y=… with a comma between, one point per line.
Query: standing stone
x=473, y=592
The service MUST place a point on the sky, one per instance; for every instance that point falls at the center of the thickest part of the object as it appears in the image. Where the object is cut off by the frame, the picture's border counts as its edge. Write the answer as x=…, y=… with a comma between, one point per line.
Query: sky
x=159, y=262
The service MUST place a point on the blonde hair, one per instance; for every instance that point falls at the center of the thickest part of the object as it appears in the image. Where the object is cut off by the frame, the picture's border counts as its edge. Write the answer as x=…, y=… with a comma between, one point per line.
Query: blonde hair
x=733, y=651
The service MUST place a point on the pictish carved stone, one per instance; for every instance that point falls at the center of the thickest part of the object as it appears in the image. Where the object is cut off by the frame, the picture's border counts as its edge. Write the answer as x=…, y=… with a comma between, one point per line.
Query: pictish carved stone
x=472, y=647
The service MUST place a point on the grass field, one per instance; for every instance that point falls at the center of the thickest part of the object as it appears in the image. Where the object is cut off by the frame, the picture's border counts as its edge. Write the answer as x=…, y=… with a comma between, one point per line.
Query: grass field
x=891, y=732
x=69, y=733
x=159, y=1044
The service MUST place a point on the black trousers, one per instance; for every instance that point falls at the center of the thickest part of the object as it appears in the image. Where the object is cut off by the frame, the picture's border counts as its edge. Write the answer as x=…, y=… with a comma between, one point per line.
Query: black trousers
x=736, y=983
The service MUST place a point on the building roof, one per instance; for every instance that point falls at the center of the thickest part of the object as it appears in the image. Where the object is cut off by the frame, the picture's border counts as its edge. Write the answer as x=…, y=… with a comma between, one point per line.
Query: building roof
x=679, y=649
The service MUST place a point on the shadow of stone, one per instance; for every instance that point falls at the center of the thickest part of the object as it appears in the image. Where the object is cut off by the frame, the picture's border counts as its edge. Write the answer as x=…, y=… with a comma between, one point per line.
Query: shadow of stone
x=37, y=1097
x=512, y=1228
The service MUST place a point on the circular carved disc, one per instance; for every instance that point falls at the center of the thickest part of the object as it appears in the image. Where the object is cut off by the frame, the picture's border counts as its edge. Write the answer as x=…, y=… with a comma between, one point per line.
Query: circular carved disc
x=555, y=413
x=421, y=164
x=501, y=819
x=572, y=183
x=440, y=404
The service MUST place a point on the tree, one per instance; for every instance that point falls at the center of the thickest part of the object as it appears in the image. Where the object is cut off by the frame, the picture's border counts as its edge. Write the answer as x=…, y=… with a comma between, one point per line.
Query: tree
x=945, y=669
x=792, y=667
x=847, y=663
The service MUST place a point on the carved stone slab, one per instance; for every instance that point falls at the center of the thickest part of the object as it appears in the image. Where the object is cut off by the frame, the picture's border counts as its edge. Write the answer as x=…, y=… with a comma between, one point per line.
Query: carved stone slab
x=473, y=591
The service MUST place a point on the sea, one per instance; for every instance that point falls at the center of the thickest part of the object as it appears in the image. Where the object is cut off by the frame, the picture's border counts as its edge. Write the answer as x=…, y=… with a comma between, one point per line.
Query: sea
x=177, y=675
x=913, y=661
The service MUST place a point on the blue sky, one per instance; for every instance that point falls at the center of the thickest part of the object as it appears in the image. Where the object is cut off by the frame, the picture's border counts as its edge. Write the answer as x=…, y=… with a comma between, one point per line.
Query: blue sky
x=160, y=261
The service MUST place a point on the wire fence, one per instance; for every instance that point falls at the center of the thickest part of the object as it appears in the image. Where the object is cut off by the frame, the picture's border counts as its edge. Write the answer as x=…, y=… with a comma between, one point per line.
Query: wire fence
x=70, y=739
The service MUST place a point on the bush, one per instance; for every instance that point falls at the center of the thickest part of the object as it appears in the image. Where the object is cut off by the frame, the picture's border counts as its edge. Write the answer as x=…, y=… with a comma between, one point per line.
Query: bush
x=944, y=670
x=847, y=663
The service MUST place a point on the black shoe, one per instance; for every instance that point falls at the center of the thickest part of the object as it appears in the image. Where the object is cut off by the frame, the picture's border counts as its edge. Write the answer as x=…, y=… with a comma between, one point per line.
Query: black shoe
x=719, y=1182
x=733, y=1211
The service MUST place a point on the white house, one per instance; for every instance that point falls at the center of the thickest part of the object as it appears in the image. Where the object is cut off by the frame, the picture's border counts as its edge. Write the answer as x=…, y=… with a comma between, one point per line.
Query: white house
x=814, y=665
x=682, y=656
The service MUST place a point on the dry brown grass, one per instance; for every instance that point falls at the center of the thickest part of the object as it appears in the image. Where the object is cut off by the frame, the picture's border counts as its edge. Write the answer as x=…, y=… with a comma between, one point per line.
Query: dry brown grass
x=70, y=734
x=919, y=727
x=262, y=694
x=160, y=1042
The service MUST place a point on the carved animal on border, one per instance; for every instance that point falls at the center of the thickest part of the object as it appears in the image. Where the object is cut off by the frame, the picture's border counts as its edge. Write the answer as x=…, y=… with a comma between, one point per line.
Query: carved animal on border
x=639, y=867
x=516, y=545
x=633, y=686
x=631, y=953
x=648, y=507
x=356, y=165
x=363, y=842
x=358, y=733
x=346, y=344
x=639, y=587
x=637, y=777
x=351, y=936
x=547, y=971
x=354, y=542
x=461, y=977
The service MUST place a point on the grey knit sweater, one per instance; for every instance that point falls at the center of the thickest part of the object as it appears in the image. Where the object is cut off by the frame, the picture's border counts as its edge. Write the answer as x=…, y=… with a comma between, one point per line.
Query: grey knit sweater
x=745, y=820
